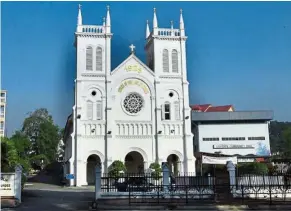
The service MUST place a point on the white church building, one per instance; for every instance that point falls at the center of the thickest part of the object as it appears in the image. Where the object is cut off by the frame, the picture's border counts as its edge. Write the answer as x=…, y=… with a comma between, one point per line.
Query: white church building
x=137, y=113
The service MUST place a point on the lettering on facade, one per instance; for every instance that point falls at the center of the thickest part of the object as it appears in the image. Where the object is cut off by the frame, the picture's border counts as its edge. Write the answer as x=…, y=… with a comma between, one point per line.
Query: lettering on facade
x=134, y=82
x=133, y=68
x=233, y=146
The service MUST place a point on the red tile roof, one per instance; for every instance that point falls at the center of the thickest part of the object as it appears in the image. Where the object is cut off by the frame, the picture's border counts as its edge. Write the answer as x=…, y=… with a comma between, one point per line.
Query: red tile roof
x=219, y=108
x=210, y=108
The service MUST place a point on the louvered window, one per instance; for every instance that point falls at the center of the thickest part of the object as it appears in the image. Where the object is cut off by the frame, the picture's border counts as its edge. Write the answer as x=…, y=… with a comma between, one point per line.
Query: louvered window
x=89, y=110
x=174, y=61
x=89, y=58
x=166, y=111
x=165, y=61
x=177, y=110
x=99, y=59
x=99, y=110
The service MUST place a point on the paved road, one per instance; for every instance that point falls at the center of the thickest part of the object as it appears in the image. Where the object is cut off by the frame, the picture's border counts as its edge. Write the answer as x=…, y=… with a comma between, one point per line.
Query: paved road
x=42, y=197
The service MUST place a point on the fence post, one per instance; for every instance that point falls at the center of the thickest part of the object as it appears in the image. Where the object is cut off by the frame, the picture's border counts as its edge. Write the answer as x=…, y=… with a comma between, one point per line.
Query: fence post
x=166, y=176
x=98, y=170
x=18, y=183
x=231, y=170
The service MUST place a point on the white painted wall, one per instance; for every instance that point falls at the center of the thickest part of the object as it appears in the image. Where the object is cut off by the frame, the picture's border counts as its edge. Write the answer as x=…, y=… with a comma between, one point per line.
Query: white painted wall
x=130, y=132
x=234, y=130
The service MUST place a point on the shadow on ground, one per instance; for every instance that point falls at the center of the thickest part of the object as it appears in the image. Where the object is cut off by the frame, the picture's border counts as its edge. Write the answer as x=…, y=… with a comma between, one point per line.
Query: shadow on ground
x=56, y=200
x=52, y=174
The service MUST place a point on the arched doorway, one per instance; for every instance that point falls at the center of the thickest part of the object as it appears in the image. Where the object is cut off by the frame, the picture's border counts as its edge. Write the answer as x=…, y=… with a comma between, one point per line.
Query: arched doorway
x=134, y=162
x=92, y=161
x=173, y=163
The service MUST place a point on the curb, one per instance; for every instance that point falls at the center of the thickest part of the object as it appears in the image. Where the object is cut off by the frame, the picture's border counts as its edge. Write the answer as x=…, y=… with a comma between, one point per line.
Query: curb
x=198, y=208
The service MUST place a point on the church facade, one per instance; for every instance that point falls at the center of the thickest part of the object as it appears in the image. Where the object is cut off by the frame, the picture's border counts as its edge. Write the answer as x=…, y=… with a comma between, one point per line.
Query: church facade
x=136, y=113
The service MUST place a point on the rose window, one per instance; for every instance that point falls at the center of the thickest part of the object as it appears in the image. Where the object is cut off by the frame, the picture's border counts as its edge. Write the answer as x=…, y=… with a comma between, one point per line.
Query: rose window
x=133, y=103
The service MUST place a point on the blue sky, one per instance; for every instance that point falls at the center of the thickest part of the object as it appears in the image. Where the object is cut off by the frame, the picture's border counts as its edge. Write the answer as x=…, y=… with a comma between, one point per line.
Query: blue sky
x=238, y=52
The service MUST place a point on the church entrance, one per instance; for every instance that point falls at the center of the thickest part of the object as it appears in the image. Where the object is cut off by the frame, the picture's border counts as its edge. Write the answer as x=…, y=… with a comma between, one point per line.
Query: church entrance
x=92, y=161
x=174, y=164
x=134, y=162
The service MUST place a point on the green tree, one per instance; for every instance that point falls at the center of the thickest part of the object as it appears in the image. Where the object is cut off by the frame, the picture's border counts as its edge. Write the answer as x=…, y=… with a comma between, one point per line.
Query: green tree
x=43, y=135
x=116, y=168
x=21, y=143
x=287, y=143
x=9, y=156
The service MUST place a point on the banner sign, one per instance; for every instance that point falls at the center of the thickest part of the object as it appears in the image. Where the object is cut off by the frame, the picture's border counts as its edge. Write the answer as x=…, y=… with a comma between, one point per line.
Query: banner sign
x=218, y=160
x=7, y=184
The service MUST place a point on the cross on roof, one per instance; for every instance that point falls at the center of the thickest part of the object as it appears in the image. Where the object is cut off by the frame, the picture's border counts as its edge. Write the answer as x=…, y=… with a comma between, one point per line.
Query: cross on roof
x=132, y=47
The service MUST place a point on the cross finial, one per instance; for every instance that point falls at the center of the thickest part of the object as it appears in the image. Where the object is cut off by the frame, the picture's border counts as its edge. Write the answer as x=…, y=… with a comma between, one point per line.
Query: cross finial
x=181, y=11
x=132, y=47
x=80, y=6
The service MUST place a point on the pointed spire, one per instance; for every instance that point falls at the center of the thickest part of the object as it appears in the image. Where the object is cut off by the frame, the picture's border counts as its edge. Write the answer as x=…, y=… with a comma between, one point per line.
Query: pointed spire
x=182, y=28
x=104, y=20
x=79, y=19
x=172, y=25
x=155, y=23
x=108, y=20
x=147, y=30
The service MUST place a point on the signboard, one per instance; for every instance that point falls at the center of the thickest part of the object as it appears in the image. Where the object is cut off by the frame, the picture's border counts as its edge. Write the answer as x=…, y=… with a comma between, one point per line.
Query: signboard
x=245, y=160
x=233, y=146
x=218, y=160
x=7, y=184
x=133, y=68
x=133, y=82
x=70, y=176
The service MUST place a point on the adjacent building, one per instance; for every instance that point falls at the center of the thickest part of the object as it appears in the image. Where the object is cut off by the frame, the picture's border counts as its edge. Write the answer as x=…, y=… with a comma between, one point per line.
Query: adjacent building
x=3, y=98
x=220, y=130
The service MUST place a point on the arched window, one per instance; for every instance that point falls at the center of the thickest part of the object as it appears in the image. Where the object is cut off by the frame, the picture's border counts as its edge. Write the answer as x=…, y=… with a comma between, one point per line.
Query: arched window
x=166, y=111
x=99, y=110
x=177, y=110
x=99, y=59
x=174, y=61
x=89, y=110
x=89, y=58
x=165, y=61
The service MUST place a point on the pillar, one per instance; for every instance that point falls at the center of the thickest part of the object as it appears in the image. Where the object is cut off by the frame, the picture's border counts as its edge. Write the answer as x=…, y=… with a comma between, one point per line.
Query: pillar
x=231, y=170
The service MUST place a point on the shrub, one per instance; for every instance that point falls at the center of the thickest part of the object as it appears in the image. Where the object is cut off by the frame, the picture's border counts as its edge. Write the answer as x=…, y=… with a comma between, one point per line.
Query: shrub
x=115, y=168
x=253, y=168
x=157, y=170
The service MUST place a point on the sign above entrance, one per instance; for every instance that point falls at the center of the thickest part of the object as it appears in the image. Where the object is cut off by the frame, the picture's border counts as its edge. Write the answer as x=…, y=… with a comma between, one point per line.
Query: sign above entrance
x=135, y=82
x=233, y=146
x=218, y=160
x=133, y=68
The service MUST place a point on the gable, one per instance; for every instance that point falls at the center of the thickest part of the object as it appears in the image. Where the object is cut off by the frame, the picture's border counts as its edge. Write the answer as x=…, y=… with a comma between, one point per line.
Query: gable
x=132, y=65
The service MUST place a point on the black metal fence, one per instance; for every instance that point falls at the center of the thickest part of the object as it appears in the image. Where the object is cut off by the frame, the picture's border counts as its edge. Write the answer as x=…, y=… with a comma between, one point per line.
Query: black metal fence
x=188, y=189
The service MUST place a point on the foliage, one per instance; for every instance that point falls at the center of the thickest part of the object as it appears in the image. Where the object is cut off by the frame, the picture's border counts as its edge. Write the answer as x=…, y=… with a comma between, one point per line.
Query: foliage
x=253, y=168
x=43, y=135
x=115, y=168
x=10, y=159
x=277, y=139
x=287, y=142
x=157, y=170
x=9, y=156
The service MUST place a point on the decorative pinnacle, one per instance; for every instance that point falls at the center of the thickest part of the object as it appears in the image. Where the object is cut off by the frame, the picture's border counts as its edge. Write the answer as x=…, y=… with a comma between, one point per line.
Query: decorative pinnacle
x=155, y=9
x=181, y=11
x=147, y=21
x=80, y=6
x=108, y=7
x=172, y=23
x=104, y=19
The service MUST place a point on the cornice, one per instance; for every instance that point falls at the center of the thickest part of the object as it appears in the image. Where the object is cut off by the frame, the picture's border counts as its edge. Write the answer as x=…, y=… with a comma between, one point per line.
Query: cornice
x=93, y=75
